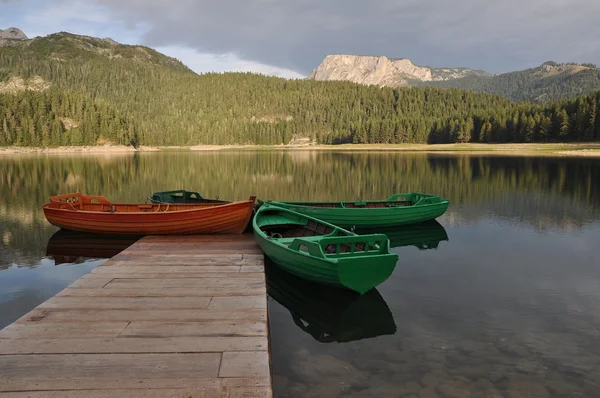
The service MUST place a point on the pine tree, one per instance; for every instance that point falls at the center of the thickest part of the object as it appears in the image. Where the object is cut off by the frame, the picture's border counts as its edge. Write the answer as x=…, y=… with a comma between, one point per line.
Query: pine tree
x=564, y=125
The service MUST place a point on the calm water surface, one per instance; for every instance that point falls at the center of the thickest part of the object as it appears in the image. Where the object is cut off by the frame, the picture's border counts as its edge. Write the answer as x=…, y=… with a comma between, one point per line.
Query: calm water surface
x=500, y=298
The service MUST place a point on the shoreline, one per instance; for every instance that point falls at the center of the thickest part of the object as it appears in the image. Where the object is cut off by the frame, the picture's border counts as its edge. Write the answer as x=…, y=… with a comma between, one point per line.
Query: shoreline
x=540, y=149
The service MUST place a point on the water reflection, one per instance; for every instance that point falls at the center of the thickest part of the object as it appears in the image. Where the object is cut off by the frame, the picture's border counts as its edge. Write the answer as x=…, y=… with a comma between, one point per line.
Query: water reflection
x=69, y=246
x=548, y=193
x=507, y=307
x=329, y=314
x=24, y=288
x=423, y=236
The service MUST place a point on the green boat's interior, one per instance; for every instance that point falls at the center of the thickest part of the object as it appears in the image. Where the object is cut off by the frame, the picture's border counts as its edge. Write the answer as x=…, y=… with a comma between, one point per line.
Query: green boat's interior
x=354, y=205
x=307, y=235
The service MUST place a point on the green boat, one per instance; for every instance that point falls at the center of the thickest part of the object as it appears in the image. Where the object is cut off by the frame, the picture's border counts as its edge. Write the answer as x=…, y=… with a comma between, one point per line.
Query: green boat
x=181, y=196
x=322, y=252
x=423, y=236
x=398, y=209
x=327, y=313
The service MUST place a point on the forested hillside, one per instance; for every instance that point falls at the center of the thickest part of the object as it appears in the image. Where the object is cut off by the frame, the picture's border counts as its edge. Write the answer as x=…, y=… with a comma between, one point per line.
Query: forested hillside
x=546, y=83
x=101, y=91
x=56, y=117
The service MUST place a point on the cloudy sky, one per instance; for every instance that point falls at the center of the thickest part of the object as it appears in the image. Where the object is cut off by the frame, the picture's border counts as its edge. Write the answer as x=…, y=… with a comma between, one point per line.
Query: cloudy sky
x=290, y=37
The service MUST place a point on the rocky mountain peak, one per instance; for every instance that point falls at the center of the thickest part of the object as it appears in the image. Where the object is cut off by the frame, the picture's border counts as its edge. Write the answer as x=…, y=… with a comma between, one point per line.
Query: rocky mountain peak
x=384, y=71
x=13, y=34
x=359, y=69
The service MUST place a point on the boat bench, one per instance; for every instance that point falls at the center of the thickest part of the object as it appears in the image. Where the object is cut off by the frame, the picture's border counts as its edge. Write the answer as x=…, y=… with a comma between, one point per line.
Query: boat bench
x=287, y=241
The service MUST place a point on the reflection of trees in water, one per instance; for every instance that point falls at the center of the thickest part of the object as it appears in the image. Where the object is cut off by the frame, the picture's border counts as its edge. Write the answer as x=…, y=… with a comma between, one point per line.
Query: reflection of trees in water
x=542, y=212
x=546, y=192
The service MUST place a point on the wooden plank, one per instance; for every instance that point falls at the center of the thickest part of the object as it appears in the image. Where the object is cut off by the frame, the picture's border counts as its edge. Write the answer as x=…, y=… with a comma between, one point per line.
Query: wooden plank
x=257, y=302
x=228, y=276
x=125, y=345
x=87, y=282
x=260, y=256
x=252, y=268
x=192, y=255
x=195, y=246
x=65, y=383
x=207, y=253
x=246, y=381
x=244, y=364
x=133, y=393
x=79, y=315
x=156, y=266
x=204, y=291
x=162, y=269
x=169, y=275
x=248, y=237
x=246, y=392
x=210, y=239
x=142, y=303
x=246, y=279
x=109, y=366
x=195, y=329
x=184, y=261
x=62, y=330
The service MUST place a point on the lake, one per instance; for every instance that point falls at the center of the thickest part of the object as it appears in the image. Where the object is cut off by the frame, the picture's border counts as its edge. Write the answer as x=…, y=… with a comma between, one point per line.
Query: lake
x=499, y=298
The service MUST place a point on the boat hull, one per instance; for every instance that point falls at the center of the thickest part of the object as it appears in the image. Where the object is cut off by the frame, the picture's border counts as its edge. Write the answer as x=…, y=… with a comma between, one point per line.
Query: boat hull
x=360, y=274
x=428, y=208
x=179, y=220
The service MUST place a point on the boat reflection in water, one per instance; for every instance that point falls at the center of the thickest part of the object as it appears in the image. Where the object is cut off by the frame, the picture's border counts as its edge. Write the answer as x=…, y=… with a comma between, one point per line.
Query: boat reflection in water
x=423, y=236
x=329, y=313
x=68, y=246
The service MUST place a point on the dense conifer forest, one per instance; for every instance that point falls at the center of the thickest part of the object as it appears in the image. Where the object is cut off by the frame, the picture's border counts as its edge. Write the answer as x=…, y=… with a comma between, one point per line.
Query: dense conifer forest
x=104, y=92
x=549, y=82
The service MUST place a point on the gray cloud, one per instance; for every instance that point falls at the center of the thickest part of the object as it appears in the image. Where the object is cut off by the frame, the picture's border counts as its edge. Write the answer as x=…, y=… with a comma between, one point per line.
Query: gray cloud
x=493, y=35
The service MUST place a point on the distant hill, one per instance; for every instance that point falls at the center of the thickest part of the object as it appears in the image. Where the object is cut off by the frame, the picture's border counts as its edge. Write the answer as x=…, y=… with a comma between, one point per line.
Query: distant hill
x=65, y=46
x=550, y=81
x=66, y=89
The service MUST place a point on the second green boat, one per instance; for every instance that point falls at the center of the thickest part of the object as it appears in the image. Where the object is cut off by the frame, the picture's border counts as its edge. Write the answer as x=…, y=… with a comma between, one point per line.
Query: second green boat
x=322, y=252
x=181, y=196
x=398, y=209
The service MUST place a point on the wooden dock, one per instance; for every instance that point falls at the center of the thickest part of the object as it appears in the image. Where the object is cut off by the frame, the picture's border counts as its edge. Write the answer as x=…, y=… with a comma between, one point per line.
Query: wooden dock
x=177, y=316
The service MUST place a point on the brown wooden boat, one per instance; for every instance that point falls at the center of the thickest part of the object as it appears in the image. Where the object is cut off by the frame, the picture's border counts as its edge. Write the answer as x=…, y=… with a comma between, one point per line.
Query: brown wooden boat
x=95, y=214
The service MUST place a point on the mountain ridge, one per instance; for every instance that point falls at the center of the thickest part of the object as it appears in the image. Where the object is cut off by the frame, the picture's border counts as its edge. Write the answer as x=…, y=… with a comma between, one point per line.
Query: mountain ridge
x=549, y=81
x=63, y=46
x=383, y=71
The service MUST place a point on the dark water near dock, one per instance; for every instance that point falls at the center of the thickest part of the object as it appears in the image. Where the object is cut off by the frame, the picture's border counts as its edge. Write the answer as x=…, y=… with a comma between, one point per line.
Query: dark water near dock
x=500, y=299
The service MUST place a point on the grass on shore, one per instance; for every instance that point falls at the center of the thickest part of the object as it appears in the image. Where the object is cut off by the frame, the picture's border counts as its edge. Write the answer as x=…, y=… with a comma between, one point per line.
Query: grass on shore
x=487, y=148
x=545, y=149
